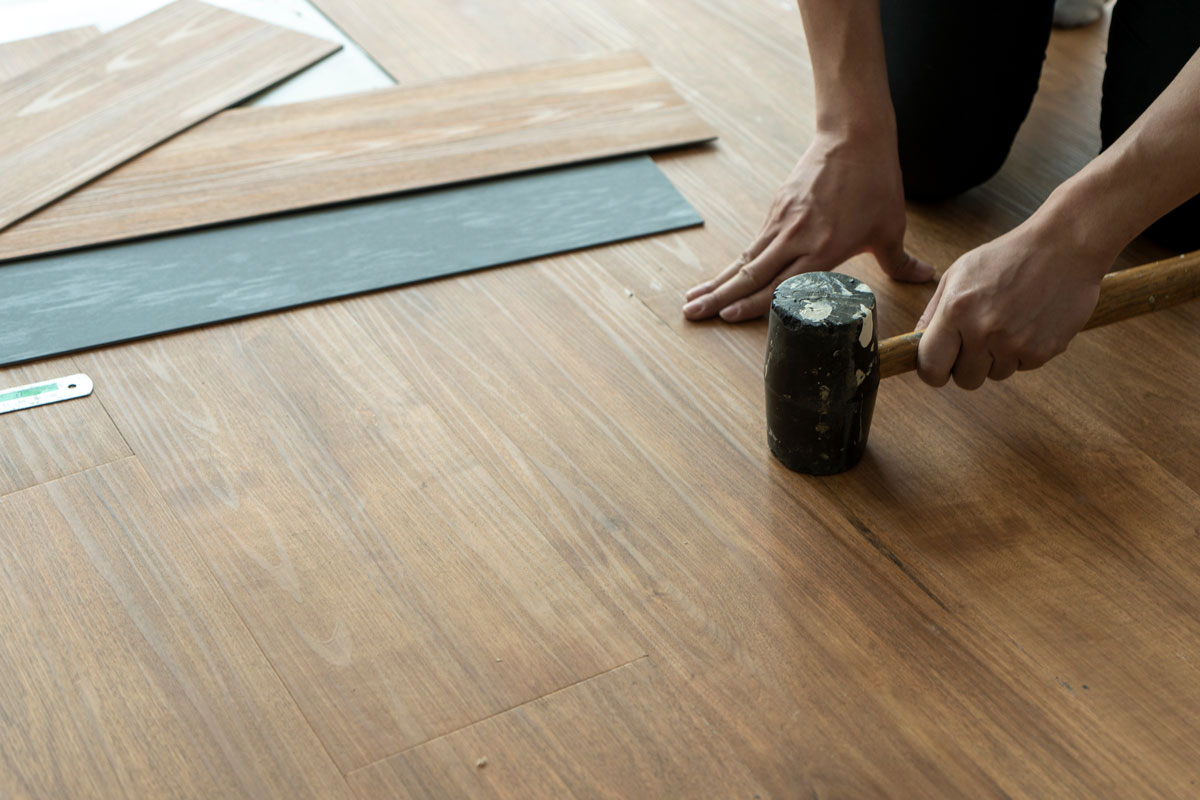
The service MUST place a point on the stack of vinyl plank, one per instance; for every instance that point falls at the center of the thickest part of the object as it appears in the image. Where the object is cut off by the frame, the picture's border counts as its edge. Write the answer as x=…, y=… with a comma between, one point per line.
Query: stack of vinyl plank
x=99, y=150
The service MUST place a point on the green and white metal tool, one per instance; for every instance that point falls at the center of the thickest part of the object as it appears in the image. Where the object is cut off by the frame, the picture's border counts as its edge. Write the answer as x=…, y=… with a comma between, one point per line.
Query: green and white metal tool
x=45, y=392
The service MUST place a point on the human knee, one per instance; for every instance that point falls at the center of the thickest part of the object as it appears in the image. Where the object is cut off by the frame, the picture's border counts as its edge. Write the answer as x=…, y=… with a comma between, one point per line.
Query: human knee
x=936, y=167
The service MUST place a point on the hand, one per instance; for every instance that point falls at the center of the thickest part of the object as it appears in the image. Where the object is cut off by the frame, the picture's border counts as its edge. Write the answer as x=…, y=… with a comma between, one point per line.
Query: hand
x=1014, y=303
x=843, y=198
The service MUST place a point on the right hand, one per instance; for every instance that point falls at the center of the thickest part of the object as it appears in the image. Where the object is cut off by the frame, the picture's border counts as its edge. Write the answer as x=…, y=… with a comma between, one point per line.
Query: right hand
x=844, y=197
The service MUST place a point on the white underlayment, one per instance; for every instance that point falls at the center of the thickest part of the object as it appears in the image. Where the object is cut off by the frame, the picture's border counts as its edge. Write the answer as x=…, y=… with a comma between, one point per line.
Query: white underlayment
x=345, y=72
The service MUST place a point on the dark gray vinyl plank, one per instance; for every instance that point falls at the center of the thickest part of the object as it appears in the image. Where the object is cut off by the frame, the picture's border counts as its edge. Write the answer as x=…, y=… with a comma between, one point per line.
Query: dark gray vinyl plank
x=60, y=303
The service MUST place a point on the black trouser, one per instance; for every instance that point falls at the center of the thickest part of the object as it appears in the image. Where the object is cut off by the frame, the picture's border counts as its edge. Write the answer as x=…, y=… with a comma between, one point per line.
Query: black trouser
x=963, y=74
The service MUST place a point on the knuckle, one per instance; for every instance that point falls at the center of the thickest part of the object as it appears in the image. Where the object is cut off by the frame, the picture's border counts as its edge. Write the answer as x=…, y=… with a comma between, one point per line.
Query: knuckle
x=746, y=273
x=792, y=227
x=780, y=210
x=823, y=239
x=959, y=305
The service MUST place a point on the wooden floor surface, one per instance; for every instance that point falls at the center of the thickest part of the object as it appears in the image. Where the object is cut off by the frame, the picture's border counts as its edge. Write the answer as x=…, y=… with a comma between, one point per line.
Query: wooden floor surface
x=517, y=533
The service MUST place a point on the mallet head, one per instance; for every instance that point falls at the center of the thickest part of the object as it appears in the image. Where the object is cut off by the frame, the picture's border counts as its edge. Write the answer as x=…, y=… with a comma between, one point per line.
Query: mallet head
x=821, y=372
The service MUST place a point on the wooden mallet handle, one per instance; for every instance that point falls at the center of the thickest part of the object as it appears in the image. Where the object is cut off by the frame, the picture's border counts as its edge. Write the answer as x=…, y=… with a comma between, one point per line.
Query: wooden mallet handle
x=1124, y=294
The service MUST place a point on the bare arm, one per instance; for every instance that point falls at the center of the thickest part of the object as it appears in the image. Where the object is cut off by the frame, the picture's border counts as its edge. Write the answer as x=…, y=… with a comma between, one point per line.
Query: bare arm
x=845, y=196
x=1016, y=302
x=845, y=45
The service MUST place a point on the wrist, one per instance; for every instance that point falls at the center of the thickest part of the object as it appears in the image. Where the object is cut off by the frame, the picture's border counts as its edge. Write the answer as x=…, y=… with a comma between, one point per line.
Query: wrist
x=858, y=123
x=859, y=133
x=1085, y=216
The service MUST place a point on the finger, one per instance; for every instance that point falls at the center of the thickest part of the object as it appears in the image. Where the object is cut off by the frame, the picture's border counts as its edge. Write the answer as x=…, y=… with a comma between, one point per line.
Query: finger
x=1033, y=361
x=901, y=266
x=937, y=352
x=764, y=238
x=767, y=234
x=759, y=303
x=971, y=368
x=932, y=307
x=699, y=289
x=722, y=276
x=745, y=281
x=1003, y=368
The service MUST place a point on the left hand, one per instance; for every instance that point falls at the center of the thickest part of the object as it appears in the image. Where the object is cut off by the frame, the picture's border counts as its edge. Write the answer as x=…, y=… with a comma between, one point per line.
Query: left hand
x=1013, y=303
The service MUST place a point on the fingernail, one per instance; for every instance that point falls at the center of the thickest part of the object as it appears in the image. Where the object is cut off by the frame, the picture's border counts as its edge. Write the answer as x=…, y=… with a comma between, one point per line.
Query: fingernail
x=729, y=313
x=694, y=307
x=699, y=288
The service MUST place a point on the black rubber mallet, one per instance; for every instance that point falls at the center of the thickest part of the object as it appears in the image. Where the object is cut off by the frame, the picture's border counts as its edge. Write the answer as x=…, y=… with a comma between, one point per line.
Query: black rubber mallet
x=824, y=362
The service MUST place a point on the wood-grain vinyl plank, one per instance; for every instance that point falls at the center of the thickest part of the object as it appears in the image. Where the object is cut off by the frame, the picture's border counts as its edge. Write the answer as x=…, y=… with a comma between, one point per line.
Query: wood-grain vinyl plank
x=397, y=589
x=23, y=54
x=124, y=670
x=85, y=111
x=254, y=161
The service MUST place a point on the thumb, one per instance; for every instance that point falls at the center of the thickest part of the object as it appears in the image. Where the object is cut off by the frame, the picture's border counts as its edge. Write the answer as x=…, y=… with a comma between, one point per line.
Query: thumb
x=927, y=314
x=901, y=266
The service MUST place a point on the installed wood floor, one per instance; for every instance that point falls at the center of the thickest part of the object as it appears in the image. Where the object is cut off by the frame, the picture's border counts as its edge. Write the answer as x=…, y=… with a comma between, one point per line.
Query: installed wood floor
x=518, y=534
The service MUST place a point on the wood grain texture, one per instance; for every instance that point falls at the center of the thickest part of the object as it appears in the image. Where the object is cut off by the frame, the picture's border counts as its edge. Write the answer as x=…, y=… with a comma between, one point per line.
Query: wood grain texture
x=84, y=112
x=1030, y=633
x=999, y=602
x=254, y=161
x=630, y=721
x=399, y=592
x=1035, y=575
x=125, y=672
x=533, y=416
x=24, y=54
x=44, y=443
x=634, y=435
x=134, y=289
x=412, y=41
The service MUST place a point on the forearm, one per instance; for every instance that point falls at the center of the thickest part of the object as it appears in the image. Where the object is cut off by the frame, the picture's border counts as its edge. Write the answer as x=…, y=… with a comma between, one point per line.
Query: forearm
x=845, y=44
x=1152, y=168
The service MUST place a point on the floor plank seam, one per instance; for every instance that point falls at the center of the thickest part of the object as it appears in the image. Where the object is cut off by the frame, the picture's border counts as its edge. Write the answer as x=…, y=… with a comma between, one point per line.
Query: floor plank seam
x=100, y=399
x=93, y=467
x=872, y=538
x=249, y=631
x=503, y=711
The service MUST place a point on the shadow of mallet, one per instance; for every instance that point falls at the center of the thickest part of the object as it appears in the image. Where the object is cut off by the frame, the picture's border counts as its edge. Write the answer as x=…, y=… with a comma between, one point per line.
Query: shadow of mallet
x=823, y=364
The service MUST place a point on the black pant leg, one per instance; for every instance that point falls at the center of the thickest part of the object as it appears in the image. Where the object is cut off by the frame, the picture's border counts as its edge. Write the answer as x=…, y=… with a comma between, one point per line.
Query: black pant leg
x=1149, y=41
x=962, y=75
